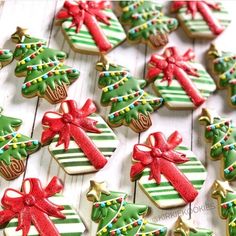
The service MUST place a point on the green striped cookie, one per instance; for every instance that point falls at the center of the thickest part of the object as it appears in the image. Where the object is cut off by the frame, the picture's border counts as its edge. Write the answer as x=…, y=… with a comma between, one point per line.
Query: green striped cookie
x=174, y=95
x=83, y=41
x=164, y=195
x=74, y=161
x=197, y=27
x=71, y=226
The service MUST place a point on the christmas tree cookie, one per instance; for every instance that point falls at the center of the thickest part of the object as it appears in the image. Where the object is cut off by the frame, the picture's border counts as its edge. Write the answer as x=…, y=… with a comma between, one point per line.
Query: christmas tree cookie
x=45, y=74
x=90, y=26
x=222, y=67
x=201, y=19
x=182, y=82
x=38, y=211
x=147, y=22
x=186, y=228
x=130, y=104
x=169, y=174
x=226, y=198
x=14, y=147
x=80, y=140
x=221, y=132
x=116, y=216
x=6, y=57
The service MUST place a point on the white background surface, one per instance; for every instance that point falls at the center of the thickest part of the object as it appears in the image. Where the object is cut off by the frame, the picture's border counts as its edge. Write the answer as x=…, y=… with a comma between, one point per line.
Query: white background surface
x=37, y=16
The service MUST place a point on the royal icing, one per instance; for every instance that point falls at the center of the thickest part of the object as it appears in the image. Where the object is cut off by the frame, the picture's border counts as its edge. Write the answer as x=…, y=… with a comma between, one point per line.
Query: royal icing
x=147, y=22
x=221, y=132
x=90, y=26
x=226, y=198
x=116, y=216
x=46, y=75
x=14, y=147
x=40, y=211
x=6, y=57
x=180, y=81
x=201, y=19
x=130, y=104
x=168, y=173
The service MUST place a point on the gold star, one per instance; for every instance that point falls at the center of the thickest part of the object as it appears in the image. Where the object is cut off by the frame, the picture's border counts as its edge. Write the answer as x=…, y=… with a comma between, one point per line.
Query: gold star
x=221, y=188
x=184, y=227
x=96, y=189
x=19, y=35
x=104, y=63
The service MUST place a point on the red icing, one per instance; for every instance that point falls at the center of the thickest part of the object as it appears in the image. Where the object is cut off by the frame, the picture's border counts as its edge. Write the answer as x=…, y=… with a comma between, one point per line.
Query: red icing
x=88, y=13
x=33, y=206
x=172, y=64
x=160, y=157
x=205, y=9
x=73, y=122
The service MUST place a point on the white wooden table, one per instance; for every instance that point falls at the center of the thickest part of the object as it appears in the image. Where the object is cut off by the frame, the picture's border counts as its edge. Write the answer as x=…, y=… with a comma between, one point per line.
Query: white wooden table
x=38, y=17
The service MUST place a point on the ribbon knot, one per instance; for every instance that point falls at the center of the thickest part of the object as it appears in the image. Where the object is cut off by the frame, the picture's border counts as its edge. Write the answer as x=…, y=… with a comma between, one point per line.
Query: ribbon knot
x=156, y=152
x=67, y=118
x=29, y=200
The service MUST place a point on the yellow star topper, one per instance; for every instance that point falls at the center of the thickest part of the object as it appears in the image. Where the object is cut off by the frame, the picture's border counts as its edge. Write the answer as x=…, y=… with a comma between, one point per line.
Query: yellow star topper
x=96, y=189
x=184, y=227
x=19, y=35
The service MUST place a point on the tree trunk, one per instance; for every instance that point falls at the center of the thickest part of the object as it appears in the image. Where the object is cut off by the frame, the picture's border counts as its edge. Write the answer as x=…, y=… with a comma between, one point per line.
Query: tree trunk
x=57, y=95
x=141, y=124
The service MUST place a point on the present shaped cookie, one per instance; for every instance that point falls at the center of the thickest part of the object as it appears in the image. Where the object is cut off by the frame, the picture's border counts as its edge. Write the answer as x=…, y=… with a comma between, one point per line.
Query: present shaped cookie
x=38, y=211
x=90, y=26
x=169, y=174
x=182, y=82
x=81, y=141
x=201, y=19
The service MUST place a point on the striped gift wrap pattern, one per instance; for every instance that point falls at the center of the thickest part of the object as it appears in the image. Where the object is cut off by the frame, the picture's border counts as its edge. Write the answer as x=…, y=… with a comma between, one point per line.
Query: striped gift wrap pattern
x=71, y=226
x=175, y=96
x=73, y=161
x=198, y=26
x=84, y=40
x=164, y=195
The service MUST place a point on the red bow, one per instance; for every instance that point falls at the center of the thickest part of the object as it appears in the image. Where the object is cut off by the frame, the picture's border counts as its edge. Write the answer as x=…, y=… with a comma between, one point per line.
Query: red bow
x=174, y=65
x=160, y=157
x=204, y=7
x=33, y=206
x=73, y=122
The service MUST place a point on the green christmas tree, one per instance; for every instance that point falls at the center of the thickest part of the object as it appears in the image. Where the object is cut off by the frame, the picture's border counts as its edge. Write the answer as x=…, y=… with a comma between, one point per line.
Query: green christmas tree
x=222, y=66
x=46, y=75
x=130, y=104
x=14, y=147
x=118, y=217
x=222, y=133
x=147, y=22
x=6, y=57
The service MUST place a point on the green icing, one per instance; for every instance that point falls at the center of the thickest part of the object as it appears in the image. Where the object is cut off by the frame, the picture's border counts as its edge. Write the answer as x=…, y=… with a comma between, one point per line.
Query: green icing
x=125, y=95
x=114, y=214
x=223, y=67
x=42, y=70
x=222, y=133
x=6, y=57
x=146, y=19
x=13, y=144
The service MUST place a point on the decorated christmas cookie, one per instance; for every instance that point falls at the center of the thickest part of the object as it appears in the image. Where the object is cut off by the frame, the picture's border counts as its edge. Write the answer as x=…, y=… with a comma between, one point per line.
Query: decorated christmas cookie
x=81, y=141
x=222, y=67
x=169, y=174
x=6, y=57
x=46, y=75
x=14, y=147
x=38, y=211
x=201, y=19
x=226, y=198
x=130, y=104
x=182, y=82
x=221, y=133
x=116, y=216
x=147, y=22
x=187, y=228
x=90, y=26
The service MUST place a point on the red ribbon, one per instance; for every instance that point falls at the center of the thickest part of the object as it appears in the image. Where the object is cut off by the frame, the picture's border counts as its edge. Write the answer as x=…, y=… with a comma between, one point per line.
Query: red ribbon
x=88, y=13
x=73, y=122
x=33, y=206
x=174, y=65
x=205, y=9
x=160, y=157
